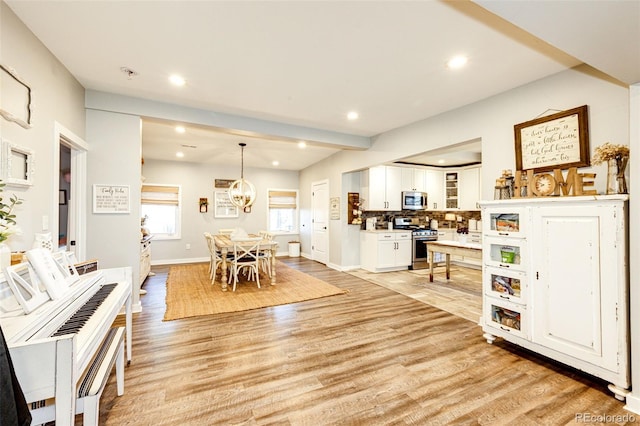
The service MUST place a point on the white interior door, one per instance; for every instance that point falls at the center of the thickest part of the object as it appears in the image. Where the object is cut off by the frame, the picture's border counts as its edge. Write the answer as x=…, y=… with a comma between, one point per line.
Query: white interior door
x=320, y=221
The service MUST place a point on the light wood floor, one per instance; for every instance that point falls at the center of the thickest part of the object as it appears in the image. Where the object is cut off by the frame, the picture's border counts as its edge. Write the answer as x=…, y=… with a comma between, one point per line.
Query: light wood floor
x=370, y=357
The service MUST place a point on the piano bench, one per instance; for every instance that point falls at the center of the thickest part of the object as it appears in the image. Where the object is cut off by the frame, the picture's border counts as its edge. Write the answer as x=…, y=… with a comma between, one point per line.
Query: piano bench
x=90, y=389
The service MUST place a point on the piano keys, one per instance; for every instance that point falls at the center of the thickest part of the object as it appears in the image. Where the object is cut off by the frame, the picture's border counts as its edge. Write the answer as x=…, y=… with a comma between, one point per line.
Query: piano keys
x=53, y=345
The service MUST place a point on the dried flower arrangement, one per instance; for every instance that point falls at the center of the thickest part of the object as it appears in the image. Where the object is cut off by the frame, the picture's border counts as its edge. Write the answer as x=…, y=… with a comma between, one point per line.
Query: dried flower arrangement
x=609, y=151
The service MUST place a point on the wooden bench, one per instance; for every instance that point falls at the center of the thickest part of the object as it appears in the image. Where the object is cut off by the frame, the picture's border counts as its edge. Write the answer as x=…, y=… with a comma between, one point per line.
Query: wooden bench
x=94, y=381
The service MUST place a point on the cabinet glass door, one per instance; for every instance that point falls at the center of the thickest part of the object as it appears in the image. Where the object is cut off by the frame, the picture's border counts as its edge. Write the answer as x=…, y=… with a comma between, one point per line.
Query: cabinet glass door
x=505, y=222
x=505, y=317
x=505, y=253
x=505, y=284
x=451, y=190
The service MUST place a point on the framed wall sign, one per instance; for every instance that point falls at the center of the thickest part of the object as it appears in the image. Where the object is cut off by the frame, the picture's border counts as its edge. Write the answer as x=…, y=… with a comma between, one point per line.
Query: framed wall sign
x=223, y=206
x=556, y=141
x=111, y=199
x=334, y=208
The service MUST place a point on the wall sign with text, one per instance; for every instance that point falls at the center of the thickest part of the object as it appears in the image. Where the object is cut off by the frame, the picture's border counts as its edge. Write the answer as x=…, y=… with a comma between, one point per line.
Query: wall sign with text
x=223, y=207
x=111, y=199
x=555, y=141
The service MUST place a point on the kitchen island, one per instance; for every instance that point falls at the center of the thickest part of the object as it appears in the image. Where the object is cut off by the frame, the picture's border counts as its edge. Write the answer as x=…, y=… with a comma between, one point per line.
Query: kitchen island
x=469, y=250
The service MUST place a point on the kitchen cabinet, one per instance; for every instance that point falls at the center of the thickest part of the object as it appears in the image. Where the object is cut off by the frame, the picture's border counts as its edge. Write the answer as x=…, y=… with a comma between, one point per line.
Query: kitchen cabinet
x=451, y=190
x=382, y=251
x=555, y=281
x=413, y=179
x=381, y=188
x=469, y=185
x=462, y=188
x=434, y=186
x=145, y=258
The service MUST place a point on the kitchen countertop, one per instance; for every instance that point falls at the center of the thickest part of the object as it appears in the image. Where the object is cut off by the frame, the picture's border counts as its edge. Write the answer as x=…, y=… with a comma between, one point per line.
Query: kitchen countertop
x=382, y=230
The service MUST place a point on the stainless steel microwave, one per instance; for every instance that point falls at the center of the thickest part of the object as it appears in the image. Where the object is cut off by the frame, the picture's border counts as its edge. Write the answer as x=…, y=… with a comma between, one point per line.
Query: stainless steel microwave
x=414, y=200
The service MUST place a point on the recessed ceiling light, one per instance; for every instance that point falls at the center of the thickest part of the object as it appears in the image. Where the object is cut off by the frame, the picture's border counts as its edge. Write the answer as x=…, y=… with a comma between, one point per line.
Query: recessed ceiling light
x=180, y=129
x=179, y=154
x=440, y=161
x=353, y=115
x=176, y=80
x=276, y=163
x=457, y=62
x=302, y=144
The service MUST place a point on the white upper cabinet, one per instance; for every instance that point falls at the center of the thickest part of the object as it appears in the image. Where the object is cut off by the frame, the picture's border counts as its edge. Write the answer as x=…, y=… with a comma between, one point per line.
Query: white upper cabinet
x=381, y=188
x=434, y=186
x=469, y=188
x=413, y=179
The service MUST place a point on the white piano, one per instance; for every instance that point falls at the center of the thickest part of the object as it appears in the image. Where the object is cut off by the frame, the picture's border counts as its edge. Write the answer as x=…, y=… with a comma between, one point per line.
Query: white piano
x=53, y=344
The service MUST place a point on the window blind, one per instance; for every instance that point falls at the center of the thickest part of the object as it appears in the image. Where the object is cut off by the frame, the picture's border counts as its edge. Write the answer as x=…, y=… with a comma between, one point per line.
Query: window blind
x=160, y=194
x=282, y=199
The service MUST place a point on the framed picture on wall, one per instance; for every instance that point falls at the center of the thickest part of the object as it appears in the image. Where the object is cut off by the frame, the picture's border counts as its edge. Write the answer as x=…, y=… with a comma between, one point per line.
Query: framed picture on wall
x=222, y=205
x=556, y=141
x=15, y=103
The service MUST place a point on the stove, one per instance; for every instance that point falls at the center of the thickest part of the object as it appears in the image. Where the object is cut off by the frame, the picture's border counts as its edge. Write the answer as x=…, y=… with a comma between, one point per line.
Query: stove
x=420, y=235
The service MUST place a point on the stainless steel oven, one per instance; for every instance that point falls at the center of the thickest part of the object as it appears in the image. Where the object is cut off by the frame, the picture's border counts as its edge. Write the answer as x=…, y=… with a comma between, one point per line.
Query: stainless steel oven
x=421, y=235
x=420, y=254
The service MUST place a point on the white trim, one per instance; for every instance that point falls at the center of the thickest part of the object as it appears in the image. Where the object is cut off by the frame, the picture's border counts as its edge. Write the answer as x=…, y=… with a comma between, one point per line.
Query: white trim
x=78, y=196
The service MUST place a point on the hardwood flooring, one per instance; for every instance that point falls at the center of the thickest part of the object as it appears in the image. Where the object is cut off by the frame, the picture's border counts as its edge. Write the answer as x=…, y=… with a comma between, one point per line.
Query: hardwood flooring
x=369, y=357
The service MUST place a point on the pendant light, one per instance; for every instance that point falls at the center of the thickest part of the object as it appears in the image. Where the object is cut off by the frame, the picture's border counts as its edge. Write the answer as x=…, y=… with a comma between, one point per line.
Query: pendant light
x=242, y=193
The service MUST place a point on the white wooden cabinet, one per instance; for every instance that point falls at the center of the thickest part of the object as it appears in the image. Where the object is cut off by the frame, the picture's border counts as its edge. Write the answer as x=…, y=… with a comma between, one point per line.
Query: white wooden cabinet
x=413, y=179
x=434, y=186
x=469, y=188
x=451, y=190
x=381, y=188
x=564, y=293
x=145, y=259
x=382, y=251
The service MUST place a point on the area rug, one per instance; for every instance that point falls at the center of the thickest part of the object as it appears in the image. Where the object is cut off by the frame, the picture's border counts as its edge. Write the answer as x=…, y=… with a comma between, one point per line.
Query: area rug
x=190, y=292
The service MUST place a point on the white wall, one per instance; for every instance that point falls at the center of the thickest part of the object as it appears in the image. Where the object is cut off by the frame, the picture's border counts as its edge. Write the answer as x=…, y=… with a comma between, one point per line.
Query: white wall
x=197, y=181
x=114, y=159
x=492, y=120
x=56, y=96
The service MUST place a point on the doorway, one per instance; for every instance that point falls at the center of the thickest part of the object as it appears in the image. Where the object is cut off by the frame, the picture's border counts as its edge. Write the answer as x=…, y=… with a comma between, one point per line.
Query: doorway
x=70, y=169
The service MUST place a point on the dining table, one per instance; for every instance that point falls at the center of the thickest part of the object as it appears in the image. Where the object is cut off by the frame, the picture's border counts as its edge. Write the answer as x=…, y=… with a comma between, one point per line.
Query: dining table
x=224, y=244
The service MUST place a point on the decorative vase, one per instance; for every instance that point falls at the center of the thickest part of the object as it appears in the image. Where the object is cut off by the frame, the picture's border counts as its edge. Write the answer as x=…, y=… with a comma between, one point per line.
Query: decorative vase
x=621, y=165
x=612, y=176
x=5, y=256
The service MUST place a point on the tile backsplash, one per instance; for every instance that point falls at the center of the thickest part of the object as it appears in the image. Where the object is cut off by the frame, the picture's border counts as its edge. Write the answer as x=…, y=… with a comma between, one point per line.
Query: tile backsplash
x=425, y=217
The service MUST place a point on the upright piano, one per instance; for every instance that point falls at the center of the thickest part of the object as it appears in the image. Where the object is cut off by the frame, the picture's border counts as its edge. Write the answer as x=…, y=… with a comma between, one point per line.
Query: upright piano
x=54, y=344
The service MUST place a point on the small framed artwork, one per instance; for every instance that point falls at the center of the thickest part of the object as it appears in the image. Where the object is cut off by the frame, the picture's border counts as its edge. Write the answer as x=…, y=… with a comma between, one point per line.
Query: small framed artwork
x=223, y=207
x=111, y=199
x=17, y=164
x=557, y=141
x=15, y=104
x=62, y=199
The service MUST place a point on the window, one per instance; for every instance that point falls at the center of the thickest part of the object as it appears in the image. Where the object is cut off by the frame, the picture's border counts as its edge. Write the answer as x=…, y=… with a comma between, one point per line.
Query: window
x=283, y=210
x=161, y=210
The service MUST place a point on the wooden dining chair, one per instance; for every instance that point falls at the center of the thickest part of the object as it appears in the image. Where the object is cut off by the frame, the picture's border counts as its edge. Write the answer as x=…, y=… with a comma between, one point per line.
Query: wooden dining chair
x=246, y=258
x=215, y=257
x=227, y=231
x=265, y=254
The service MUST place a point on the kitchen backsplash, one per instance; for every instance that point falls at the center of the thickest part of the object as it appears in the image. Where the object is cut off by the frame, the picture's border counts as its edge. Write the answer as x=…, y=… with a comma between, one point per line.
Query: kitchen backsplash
x=425, y=217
